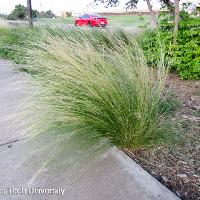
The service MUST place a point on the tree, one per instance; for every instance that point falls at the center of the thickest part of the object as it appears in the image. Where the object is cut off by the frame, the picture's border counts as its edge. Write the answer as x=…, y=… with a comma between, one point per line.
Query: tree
x=3, y=16
x=47, y=14
x=176, y=20
x=112, y=3
x=153, y=17
x=20, y=12
x=35, y=14
x=50, y=14
x=170, y=6
x=42, y=14
x=133, y=4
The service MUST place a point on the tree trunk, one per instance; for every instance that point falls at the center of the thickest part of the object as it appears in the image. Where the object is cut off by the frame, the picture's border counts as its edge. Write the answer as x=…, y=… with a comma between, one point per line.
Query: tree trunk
x=170, y=6
x=154, y=22
x=176, y=21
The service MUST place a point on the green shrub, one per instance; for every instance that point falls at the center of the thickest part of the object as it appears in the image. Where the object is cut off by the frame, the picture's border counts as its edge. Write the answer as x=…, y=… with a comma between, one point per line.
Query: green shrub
x=154, y=44
x=184, y=57
x=188, y=49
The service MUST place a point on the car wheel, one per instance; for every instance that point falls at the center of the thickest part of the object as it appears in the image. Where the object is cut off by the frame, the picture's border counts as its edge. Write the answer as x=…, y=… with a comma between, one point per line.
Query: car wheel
x=90, y=24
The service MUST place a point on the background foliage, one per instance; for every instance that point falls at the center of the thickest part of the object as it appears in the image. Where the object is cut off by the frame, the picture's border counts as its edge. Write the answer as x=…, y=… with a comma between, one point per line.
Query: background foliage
x=184, y=57
x=20, y=13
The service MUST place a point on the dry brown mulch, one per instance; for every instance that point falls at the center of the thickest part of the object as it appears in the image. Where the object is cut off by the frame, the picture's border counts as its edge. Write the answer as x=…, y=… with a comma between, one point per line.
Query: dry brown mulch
x=178, y=167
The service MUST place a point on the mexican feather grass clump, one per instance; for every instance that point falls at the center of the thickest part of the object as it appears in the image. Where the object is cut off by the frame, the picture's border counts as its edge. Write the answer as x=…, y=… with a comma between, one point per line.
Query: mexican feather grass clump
x=98, y=82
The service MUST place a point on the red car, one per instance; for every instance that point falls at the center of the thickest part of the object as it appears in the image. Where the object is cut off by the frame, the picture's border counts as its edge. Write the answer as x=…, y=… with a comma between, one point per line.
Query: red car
x=91, y=20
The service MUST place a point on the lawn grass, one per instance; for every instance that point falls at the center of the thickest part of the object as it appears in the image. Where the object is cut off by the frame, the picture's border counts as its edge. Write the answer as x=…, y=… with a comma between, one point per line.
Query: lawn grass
x=114, y=20
x=59, y=20
x=128, y=20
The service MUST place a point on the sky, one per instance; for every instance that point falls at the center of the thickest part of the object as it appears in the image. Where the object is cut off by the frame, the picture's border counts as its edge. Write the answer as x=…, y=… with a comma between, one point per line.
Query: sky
x=77, y=6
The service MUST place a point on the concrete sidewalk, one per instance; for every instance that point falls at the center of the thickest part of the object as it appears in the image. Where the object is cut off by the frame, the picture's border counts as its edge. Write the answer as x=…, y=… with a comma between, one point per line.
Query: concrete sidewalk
x=113, y=176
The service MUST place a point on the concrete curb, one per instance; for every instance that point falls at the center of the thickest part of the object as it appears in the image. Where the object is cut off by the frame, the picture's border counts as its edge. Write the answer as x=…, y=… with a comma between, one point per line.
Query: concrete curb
x=149, y=187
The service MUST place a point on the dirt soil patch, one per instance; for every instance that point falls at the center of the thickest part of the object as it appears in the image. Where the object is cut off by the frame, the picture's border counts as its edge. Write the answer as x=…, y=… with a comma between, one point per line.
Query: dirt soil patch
x=178, y=166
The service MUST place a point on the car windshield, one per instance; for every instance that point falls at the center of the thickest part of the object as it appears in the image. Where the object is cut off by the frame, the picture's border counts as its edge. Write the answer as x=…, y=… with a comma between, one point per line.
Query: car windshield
x=84, y=16
x=97, y=16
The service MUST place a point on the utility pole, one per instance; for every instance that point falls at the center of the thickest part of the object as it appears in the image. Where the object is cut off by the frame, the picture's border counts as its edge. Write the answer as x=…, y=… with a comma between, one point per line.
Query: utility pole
x=29, y=7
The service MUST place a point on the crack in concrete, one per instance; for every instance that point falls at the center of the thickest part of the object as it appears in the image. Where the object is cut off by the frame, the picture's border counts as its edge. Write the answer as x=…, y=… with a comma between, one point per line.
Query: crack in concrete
x=12, y=141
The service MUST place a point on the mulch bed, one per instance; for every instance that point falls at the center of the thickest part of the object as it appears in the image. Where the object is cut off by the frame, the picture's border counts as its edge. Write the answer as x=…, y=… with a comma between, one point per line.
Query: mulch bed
x=178, y=167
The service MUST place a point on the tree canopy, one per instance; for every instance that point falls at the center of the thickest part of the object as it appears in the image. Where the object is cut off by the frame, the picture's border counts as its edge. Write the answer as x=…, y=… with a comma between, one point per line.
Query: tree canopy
x=20, y=13
x=113, y=3
x=133, y=3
